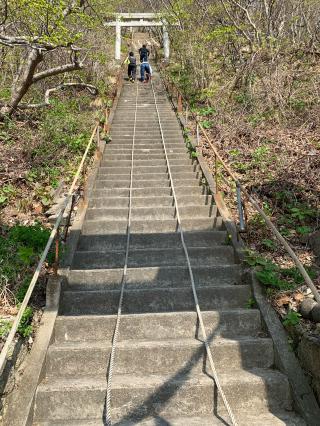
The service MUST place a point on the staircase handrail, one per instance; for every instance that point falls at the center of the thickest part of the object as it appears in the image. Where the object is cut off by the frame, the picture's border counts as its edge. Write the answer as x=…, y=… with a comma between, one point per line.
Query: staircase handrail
x=54, y=236
x=274, y=230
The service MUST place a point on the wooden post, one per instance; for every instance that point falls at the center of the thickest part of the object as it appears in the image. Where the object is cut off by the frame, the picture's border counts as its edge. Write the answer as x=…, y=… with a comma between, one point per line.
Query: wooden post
x=180, y=105
x=216, y=173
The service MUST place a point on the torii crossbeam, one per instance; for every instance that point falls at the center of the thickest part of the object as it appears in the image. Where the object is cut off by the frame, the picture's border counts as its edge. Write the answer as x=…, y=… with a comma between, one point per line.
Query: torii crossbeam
x=139, y=20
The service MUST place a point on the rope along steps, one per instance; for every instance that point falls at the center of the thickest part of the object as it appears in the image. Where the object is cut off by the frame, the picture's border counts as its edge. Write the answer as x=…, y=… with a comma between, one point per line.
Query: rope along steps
x=108, y=419
x=194, y=291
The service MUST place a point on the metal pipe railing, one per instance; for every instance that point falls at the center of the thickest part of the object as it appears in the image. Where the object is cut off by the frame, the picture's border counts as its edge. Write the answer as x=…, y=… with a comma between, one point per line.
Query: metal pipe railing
x=54, y=236
x=240, y=188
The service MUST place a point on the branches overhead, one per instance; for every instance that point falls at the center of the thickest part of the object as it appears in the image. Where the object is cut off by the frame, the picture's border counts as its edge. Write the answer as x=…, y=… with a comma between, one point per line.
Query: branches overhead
x=93, y=90
x=35, y=30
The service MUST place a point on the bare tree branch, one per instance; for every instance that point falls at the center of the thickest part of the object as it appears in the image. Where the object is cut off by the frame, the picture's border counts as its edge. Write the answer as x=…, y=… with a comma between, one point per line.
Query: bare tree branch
x=93, y=90
x=58, y=70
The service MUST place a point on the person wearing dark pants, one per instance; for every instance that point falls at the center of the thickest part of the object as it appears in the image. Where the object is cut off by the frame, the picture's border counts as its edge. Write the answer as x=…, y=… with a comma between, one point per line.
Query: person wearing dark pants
x=132, y=67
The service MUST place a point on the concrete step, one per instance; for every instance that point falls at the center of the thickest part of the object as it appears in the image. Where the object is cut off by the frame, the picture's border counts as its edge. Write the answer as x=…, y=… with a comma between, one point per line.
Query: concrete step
x=102, y=182
x=150, y=421
x=104, y=174
x=149, y=241
x=264, y=418
x=105, y=226
x=144, y=126
x=150, y=213
x=182, y=325
x=154, y=277
x=145, y=162
x=140, y=162
x=164, y=201
x=155, y=149
x=143, y=140
x=141, y=170
x=90, y=359
x=151, y=145
x=199, y=256
x=101, y=302
x=180, y=395
x=150, y=192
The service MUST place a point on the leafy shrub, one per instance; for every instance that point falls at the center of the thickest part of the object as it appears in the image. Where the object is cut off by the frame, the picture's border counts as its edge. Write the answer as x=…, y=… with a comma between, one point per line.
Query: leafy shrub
x=292, y=318
x=25, y=327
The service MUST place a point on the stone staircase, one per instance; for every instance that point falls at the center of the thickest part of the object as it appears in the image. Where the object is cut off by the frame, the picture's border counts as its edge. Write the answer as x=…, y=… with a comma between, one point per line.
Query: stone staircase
x=161, y=375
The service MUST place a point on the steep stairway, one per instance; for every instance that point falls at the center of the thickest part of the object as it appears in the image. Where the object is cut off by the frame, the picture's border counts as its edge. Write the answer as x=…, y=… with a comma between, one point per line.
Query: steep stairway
x=161, y=375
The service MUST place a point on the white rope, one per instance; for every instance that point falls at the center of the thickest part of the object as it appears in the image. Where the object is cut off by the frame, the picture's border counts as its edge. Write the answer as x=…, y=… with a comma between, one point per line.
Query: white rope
x=195, y=296
x=108, y=419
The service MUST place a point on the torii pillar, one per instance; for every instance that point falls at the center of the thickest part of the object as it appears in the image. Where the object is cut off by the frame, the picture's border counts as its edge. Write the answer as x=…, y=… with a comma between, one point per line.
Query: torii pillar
x=118, y=41
x=121, y=21
x=166, y=42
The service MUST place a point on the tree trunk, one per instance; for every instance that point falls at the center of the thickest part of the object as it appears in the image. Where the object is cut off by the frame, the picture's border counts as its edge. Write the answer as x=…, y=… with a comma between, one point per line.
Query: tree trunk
x=23, y=81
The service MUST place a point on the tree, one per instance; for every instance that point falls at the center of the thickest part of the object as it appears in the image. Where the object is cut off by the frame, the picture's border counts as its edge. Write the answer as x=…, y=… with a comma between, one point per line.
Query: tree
x=38, y=29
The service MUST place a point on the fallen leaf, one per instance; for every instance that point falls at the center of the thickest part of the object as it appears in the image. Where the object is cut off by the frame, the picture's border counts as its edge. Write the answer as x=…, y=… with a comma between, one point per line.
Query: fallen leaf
x=283, y=300
x=37, y=208
x=298, y=297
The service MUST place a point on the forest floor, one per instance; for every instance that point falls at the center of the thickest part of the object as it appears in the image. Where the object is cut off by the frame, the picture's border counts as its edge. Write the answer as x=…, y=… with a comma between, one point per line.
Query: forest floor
x=278, y=160
x=40, y=153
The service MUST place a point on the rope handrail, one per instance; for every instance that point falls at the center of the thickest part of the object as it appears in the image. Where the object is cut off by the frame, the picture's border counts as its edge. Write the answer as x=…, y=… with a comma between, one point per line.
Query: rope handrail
x=54, y=232
x=193, y=285
x=249, y=197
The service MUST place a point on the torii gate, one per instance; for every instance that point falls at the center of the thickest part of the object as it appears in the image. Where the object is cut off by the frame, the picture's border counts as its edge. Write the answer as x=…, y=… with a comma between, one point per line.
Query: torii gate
x=139, y=20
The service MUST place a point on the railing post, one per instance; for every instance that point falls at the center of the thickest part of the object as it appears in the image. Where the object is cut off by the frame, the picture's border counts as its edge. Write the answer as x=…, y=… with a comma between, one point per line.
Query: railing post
x=187, y=114
x=73, y=201
x=180, y=105
x=240, y=208
x=56, y=260
x=105, y=127
x=216, y=172
x=198, y=133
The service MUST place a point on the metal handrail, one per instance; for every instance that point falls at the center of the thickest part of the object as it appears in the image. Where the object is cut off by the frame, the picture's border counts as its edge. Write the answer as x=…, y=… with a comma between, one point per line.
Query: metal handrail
x=53, y=236
x=240, y=188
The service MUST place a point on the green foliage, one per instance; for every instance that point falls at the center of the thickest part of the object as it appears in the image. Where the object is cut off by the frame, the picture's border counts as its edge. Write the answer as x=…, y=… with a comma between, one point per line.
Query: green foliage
x=261, y=154
x=293, y=274
x=34, y=236
x=20, y=248
x=304, y=230
x=5, y=326
x=292, y=318
x=269, y=244
x=251, y=303
x=234, y=152
x=244, y=99
x=298, y=105
x=302, y=212
x=23, y=288
x=25, y=327
x=48, y=22
x=204, y=111
x=6, y=193
x=274, y=277
x=207, y=124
